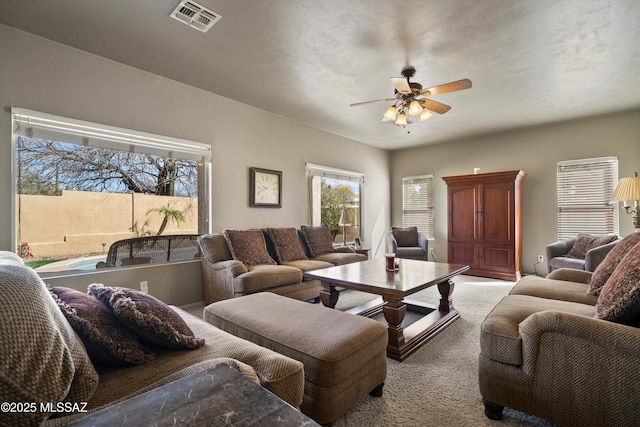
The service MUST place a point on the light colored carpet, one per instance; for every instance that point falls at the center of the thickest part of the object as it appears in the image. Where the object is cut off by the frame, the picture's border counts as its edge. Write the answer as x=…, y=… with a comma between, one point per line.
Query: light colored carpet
x=438, y=384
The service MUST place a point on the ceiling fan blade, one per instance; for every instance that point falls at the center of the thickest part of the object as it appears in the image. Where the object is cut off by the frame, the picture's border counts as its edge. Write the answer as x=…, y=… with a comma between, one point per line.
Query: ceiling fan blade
x=401, y=84
x=372, y=102
x=447, y=87
x=435, y=106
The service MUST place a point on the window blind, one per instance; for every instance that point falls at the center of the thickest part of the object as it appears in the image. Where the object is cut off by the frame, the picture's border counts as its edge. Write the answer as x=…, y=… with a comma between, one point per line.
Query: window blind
x=417, y=204
x=584, y=189
x=34, y=124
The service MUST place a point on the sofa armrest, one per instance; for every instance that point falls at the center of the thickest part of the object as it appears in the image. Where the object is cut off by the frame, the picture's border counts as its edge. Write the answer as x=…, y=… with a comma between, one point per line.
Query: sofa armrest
x=423, y=242
x=567, y=342
x=595, y=256
x=559, y=248
x=570, y=275
x=393, y=243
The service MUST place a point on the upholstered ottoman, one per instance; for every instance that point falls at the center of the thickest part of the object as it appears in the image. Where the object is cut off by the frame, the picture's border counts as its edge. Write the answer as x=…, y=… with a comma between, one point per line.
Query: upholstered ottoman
x=344, y=356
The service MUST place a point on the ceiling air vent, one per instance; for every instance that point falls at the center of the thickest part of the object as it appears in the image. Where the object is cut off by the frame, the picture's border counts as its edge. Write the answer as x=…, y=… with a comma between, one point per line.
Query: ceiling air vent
x=194, y=15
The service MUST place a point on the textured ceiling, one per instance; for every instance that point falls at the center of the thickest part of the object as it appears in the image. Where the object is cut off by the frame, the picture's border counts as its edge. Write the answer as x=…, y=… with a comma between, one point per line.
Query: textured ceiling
x=531, y=61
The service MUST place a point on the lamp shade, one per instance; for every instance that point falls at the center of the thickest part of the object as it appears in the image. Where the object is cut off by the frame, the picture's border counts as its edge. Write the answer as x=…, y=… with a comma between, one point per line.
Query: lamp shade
x=344, y=218
x=627, y=189
x=402, y=119
x=390, y=114
x=415, y=108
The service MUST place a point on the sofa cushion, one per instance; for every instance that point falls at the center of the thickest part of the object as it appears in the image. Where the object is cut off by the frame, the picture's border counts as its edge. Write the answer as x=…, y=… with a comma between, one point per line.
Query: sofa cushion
x=500, y=332
x=263, y=277
x=146, y=316
x=318, y=239
x=340, y=258
x=287, y=244
x=107, y=341
x=585, y=242
x=407, y=236
x=553, y=289
x=619, y=299
x=43, y=360
x=309, y=264
x=248, y=246
x=610, y=262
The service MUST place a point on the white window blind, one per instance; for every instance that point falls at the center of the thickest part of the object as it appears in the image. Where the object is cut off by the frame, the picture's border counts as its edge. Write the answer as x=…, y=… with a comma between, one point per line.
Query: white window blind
x=35, y=124
x=584, y=197
x=417, y=204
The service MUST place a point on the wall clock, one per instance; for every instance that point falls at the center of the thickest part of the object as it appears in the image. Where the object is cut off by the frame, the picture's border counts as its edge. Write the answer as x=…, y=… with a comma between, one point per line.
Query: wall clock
x=266, y=188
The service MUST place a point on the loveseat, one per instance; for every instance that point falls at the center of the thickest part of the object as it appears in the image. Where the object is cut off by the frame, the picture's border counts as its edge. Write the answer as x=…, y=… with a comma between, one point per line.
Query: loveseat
x=567, y=347
x=243, y=262
x=43, y=359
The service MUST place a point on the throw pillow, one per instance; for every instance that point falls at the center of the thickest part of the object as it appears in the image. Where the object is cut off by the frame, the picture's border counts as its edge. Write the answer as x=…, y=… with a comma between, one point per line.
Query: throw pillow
x=146, y=316
x=248, y=246
x=405, y=236
x=106, y=340
x=318, y=239
x=619, y=300
x=586, y=242
x=604, y=270
x=43, y=360
x=287, y=244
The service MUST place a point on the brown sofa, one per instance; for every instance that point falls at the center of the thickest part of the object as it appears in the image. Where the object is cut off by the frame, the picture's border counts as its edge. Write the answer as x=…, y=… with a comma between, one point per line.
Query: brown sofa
x=567, y=347
x=243, y=262
x=44, y=360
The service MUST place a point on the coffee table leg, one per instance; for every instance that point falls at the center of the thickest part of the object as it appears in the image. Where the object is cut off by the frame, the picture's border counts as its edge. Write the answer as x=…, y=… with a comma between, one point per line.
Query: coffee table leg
x=394, y=312
x=329, y=295
x=446, y=289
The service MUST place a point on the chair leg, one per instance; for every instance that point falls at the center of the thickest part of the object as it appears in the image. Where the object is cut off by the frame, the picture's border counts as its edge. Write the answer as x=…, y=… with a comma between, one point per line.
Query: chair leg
x=492, y=411
x=377, y=392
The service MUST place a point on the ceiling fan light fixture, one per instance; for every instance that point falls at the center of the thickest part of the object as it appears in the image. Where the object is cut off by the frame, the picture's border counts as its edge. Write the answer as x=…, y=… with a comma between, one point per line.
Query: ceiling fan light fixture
x=390, y=114
x=425, y=114
x=415, y=108
x=402, y=119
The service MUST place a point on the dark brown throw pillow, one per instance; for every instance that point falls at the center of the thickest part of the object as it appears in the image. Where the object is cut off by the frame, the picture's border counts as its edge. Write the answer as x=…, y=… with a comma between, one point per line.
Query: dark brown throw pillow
x=287, y=244
x=248, y=246
x=405, y=236
x=106, y=340
x=318, y=239
x=150, y=319
x=604, y=270
x=619, y=300
x=586, y=242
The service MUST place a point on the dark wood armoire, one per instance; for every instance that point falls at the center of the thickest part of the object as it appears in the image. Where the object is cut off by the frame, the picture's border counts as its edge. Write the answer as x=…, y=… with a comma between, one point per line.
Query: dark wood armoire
x=485, y=223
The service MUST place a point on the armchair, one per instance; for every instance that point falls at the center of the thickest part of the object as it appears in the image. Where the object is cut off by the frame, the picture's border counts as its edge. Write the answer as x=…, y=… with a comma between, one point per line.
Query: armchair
x=583, y=252
x=408, y=243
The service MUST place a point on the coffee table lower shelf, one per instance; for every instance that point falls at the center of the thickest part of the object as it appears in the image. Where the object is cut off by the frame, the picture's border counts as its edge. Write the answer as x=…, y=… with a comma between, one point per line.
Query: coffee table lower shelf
x=412, y=336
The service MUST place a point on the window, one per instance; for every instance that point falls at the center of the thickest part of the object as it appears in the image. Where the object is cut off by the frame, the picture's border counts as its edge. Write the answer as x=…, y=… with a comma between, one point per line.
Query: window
x=82, y=186
x=584, y=197
x=330, y=192
x=417, y=204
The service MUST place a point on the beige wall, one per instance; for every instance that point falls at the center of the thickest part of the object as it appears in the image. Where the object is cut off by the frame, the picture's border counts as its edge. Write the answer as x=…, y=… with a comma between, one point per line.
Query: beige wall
x=536, y=151
x=45, y=76
x=77, y=223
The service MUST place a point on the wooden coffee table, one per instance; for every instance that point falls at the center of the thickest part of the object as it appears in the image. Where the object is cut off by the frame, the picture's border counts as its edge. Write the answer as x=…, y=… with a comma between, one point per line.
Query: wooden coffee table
x=413, y=276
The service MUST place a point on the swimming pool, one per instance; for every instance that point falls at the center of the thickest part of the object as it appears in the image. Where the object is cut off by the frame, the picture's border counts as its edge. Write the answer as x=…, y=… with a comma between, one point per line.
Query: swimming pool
x=86, y=264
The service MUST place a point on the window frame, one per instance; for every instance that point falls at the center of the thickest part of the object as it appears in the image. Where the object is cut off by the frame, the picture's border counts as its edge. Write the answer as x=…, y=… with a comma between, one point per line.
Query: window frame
x=575, y=179
x=36, y=124
x=429, y=229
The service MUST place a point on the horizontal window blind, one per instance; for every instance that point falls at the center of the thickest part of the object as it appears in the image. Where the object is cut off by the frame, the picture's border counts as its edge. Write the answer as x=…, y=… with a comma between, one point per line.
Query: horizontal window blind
x=34, y=124
x=417, y=204
x=584, y=197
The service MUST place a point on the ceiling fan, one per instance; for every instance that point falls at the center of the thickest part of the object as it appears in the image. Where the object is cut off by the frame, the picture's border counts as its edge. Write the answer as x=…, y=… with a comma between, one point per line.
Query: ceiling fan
x=410, y=98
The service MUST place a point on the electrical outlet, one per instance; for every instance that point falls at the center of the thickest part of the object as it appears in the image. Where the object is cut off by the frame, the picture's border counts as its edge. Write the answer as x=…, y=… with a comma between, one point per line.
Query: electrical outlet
x=432, y=250
x=540, y=258
x=144, y=287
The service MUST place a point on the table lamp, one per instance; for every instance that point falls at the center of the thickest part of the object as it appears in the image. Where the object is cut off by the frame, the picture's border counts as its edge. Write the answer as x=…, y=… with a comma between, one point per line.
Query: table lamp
x=628, y=192
x=344, y=222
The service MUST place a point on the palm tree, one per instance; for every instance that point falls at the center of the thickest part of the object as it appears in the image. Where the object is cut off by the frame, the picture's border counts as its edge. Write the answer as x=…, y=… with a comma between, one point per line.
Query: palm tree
x=169, y=214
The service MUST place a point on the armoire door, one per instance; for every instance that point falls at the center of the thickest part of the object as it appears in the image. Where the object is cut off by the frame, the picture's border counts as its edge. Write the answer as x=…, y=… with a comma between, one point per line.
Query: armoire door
x=462, y=224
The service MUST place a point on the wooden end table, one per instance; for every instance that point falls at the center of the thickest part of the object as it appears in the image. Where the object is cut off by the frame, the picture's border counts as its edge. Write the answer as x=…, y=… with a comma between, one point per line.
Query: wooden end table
x=413, y=276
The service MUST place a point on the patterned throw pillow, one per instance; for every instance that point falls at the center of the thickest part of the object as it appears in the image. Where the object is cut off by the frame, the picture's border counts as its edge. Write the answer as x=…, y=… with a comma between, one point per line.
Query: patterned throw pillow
x=42, y=360
x=604, y=270
x=106, y=340
x=287, y=244
x=248, y=246
x=146, y=316
x=619, y=300
x=586, y=242
x=318, y=239
x=405, y=236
